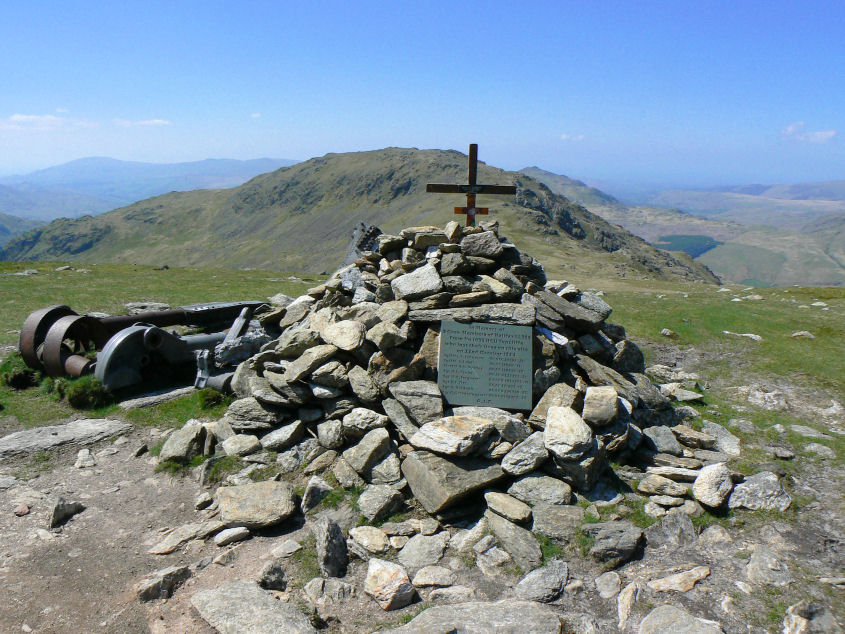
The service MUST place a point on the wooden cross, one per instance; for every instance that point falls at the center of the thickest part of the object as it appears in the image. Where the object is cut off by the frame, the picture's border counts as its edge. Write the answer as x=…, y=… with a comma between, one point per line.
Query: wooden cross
x=470, y=189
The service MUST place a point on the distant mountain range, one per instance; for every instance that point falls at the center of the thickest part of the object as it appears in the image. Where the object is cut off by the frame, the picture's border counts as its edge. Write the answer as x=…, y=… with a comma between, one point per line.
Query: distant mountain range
x=301, y=218
x=785, y=206
x=750, y=239
x=90, y=186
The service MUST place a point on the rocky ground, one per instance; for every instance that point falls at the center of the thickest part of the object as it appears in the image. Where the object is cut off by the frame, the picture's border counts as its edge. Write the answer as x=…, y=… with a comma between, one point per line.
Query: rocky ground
x=341, y=493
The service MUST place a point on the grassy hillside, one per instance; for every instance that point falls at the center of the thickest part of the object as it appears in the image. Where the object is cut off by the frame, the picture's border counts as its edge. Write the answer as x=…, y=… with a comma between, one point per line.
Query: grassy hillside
x=11, y=226
x=301, y=217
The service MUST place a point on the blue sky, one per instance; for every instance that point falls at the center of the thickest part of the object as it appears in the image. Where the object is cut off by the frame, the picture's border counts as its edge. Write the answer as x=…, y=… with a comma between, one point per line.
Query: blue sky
x=684, y=93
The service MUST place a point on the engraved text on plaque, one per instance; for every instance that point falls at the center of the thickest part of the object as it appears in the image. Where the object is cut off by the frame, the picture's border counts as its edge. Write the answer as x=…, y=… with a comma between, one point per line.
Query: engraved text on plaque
x=485, y=364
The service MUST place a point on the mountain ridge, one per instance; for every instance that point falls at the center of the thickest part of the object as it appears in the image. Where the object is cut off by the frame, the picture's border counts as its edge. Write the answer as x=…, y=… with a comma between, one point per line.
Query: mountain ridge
x=93, y=185
x=266, y=221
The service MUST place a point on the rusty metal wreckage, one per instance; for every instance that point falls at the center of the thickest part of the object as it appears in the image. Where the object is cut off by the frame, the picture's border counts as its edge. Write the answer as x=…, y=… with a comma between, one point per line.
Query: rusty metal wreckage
x=59, y=341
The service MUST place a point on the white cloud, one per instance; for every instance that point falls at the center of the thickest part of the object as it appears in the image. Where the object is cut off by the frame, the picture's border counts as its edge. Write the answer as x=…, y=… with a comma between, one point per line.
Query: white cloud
x=62, y=110
x=255, y=115
x=796, y=131
x=125, y=123
x=571, y=137
x=42, y=122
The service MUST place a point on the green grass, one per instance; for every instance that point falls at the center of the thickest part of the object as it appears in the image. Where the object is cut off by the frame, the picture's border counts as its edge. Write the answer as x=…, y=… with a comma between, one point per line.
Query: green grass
x=305, y=560
x=223, y=467
x=180, y=469
x=638, y=516
x=39, y=462
x=582, y=542
x=412, y=613
x=700, y=318
x=109, y=286
x=264, y=473
x=334, y=498
x=549, y=548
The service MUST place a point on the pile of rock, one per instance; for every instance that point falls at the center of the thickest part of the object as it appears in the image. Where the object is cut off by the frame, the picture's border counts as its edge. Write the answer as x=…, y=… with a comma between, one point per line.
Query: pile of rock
x=349, y=386
x=355, y=364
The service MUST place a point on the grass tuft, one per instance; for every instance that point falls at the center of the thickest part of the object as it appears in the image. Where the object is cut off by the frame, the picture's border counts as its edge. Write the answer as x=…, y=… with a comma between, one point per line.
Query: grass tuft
x=223, y=467
x=549, y=548
x=15, y=374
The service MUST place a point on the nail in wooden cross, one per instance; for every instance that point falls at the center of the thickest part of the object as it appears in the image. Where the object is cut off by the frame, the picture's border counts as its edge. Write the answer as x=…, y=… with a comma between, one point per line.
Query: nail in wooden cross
x=470, y=189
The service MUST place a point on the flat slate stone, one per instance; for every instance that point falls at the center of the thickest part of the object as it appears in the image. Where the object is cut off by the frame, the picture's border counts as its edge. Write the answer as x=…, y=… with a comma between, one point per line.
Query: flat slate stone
x=418, y=283
x=80, y=432
x=244, y=607
x=346, y=335
x=309, y=361
x=557, y=520
x=616, y=542
x=283, y=437
x=508, y=507
x=558, y=395
x=250, y=414
x=399, y=417
x=514, y=314
x=422, y=400
x=526, y=456
x=567, y=436
x=662, y=440
x=484, y=244
x=423, y=550
x=453, y=435
x=726, y=442
x=438, y=482
x=536, y=488
x=510, y=616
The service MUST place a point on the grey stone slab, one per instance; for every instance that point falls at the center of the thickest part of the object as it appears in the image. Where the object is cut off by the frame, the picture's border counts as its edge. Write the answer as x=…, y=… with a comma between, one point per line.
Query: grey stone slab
x=256, y=505
x=485, y=364
x=545, y=584
x=242, y=606
x=762, y=491
x=510, y=616
x=558, y=521
x=155, y=398
x=80, y=432
x=519, y=542
x=536, y=488
x=439, y=482
x=515, y=314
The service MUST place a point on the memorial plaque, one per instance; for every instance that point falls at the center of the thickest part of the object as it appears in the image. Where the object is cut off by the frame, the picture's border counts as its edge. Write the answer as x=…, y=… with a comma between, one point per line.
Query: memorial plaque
x=485, y=364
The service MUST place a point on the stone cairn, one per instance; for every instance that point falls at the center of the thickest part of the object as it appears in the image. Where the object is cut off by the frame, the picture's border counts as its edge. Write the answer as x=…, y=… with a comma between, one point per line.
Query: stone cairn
x=348, y=386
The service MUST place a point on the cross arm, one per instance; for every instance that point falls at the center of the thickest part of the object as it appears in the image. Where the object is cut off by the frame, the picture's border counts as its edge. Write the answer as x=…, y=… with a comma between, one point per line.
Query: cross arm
x=442, y=188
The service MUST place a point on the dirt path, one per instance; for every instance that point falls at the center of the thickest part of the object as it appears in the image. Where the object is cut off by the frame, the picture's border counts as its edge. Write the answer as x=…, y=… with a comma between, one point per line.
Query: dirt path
x=80, y=578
